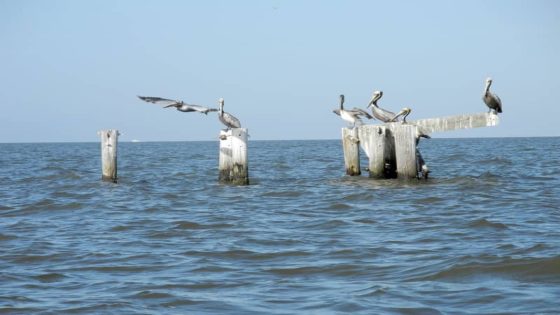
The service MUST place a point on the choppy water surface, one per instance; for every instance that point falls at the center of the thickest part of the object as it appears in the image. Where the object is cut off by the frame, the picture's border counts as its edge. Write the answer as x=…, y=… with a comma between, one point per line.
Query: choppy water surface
x=482, y=236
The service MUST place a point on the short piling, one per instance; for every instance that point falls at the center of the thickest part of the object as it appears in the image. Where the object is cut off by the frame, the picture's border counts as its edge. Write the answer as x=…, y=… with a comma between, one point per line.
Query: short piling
x=109, y=140
x=233, y=163
x=351, y=149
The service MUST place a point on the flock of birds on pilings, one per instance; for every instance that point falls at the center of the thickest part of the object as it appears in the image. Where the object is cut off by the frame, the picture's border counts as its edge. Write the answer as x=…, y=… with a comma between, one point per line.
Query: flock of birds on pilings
x=352, y=116
x=355, y=115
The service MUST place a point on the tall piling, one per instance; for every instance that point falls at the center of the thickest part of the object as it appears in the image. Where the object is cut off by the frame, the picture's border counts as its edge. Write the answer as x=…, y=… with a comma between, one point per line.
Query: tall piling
x=233, y=163
x=351, y=149
x=378, y=144
x=405, y=136
x=109, y=140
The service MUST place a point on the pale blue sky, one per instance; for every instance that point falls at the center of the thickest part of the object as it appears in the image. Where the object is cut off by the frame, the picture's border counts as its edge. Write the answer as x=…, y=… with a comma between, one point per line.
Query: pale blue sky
x=70, y=68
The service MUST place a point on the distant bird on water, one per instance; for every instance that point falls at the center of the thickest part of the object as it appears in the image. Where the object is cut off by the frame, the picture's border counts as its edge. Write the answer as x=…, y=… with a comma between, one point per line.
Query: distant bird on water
x=226, y=118
x=180, y=105
x=490, y=99
x=378, y=112
x=353, y=115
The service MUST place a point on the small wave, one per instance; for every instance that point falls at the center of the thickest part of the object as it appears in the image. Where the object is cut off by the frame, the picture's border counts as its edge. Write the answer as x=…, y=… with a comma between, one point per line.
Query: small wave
x=287, y=193
x=5, y=237
x=495, y=161
x=483, y=223
x=210, y=269
x=50, y=277
x=528, y=269
x=242, y=254
x=188, y=225
x=339, y=206
x=152, y=295
x=339, y=270
x=365, y=221
x=327, y=225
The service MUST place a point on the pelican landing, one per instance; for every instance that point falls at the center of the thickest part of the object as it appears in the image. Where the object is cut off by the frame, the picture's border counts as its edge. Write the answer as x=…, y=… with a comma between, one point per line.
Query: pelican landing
x=392, y=147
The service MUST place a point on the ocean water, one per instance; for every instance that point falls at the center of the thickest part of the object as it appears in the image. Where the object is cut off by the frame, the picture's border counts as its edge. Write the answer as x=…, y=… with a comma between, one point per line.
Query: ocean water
x=481, y=236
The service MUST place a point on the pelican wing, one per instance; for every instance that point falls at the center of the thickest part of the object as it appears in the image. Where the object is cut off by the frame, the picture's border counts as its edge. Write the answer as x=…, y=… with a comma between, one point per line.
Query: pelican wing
x=360, y=112
x=382, y=114
x=160, y=101
x=202, y=109
x=229, y=120
x=499, y=101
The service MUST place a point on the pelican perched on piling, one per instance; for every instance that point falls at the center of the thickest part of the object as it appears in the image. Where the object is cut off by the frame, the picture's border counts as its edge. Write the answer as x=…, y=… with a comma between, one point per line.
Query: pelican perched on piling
x=382, y=114
x=226, y=118
x=352, y=116
x=378, y=112
x=490, y=99
x=404, y=112
x=179, y=105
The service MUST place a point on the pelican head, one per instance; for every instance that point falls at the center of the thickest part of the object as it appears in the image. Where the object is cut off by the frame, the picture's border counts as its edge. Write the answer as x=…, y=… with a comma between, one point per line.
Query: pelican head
x=341, y=100
x=375, y=97
x=404, y=112
x=488, y=83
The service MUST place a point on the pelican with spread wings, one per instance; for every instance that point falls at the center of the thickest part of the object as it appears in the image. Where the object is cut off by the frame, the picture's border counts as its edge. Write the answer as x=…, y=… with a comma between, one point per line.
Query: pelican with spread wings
x=179, y=105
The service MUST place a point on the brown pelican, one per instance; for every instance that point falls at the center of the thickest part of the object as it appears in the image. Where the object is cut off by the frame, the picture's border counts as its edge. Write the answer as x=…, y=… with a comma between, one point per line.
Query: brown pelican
x=180, y=105
x=492, y=100
x=421, y=165
x=378, y=112
x=404, y=112
x=226, y=118
x=353, y=115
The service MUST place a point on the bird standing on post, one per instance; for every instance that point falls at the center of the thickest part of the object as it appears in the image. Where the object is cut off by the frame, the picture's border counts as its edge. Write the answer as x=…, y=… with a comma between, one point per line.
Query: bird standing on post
x=490, y=99
x=226, y=118
x=384, y=115
x=353, y=115
x=179, y=105
x=378, y=112
x=404, y=112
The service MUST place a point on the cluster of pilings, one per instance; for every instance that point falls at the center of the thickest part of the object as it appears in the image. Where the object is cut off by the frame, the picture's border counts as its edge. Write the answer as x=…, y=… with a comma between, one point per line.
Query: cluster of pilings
x=391, y=149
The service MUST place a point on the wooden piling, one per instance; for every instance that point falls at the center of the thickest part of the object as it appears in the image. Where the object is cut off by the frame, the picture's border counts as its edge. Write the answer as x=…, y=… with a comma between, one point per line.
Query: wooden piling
x=378, y=144
x=405, y=149
x=351, y=149
x=233, y=165
x=109, y=154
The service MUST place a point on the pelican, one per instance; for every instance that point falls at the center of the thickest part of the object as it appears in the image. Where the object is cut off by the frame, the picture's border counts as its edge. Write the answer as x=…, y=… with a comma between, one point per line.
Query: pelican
x=404, y=112
x=180, y=105
x=492, y=100
x=353, y=115
x=378, y=112
x=226, y=118
x=421, y=165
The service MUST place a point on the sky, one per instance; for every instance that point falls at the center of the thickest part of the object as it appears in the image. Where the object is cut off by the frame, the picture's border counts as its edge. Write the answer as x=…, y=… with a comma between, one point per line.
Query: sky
x=71, y=68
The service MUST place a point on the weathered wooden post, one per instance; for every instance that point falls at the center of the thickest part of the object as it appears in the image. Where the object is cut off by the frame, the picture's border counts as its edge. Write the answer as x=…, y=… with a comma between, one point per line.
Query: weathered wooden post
x=405, y=136
x=109, y=154
x=378, y=144
x=351, y=148
x=233, y=166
